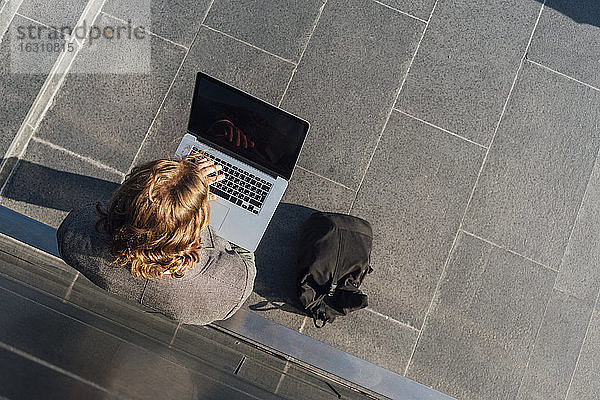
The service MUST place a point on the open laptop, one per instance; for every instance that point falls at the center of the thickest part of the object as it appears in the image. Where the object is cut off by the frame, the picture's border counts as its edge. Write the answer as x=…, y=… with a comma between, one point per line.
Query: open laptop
x=256, y=143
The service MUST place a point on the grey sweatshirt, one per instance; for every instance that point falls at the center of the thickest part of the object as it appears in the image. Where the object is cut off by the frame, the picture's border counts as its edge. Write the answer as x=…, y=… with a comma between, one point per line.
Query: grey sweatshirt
x=214, y=289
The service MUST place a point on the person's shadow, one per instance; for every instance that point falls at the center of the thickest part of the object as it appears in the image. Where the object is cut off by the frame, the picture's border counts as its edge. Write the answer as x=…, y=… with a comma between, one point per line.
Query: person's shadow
x=51, y=188
x=276, y=279
x=580, y=11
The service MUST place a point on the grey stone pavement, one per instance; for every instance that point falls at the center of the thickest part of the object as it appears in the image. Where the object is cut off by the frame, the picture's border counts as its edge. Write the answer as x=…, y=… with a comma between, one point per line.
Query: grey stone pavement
x=466, y=132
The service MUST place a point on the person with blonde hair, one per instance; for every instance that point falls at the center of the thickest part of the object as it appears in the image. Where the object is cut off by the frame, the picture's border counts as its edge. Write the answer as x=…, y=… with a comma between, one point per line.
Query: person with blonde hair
x=152, y=243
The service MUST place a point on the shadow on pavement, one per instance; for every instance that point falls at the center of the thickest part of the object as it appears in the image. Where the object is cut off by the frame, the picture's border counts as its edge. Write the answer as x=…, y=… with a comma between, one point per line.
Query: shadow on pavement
x=276, y=260
x=275, y=257
x=580, y=11
x=47, y=187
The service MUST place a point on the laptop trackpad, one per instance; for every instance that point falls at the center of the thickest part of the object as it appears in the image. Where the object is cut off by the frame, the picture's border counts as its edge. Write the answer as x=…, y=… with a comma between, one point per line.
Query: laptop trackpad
x=218, y=212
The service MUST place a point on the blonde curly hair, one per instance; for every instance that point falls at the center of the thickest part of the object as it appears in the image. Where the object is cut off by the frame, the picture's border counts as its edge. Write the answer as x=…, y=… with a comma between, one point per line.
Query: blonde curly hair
x=155, y=217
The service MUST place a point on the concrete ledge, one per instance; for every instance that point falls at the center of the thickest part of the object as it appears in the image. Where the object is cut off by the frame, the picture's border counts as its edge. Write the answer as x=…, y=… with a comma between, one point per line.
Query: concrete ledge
x=29, y=231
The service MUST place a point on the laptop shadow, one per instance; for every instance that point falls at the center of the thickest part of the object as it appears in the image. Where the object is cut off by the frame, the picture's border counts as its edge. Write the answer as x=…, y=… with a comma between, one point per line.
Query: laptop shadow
x=276, y=277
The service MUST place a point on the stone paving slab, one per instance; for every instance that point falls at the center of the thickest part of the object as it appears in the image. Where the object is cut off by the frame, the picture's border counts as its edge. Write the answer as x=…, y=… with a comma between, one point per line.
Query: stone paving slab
x=346, y=84
x=482, y=327
x=281, y=27
x=19, y=90
x=118, y=108
x=467, y=63
x=310, y=190
x=369, y=336
x=567, y=38
x=48, y=182
x=538, y=166
x=178, y=21
x=54, y=13
x=274, y=307
x=579, y=275
x=557, y=347
x=415, y=193
x=419, y=8
x=585, y=384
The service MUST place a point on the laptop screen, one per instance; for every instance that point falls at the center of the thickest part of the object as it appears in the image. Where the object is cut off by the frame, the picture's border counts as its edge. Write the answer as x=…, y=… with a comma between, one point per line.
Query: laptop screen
x=246, y=126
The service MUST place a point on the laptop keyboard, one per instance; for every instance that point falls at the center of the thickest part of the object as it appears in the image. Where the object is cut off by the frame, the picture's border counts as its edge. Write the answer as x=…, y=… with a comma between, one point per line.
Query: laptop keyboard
x=239, y=187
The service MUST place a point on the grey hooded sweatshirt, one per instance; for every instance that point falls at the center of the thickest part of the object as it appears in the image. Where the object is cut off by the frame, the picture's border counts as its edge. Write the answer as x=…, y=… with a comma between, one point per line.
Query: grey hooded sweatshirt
x=213, y=289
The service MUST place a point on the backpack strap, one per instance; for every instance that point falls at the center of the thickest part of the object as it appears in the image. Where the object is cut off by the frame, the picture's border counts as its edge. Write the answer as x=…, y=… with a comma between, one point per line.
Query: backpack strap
x=323, y=314
x=316, y=309
x=336, y=268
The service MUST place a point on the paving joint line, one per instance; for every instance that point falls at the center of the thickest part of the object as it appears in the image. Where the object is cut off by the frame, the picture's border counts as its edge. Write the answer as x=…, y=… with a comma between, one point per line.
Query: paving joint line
x=145, y=29
x=282, y=377
x=452, y=247
x=4, y=3
x=435, y=296
x=79, y=156
x=523, y=58
x=58, y=369
x=400, y=11
x=70, y=288
x=562, y=74
x=46, y=95
x=55, y=81
x=303, y=325
x=89, y=324
x=587, y=330
x=174, y=334
x=388, y=318
x=387, y=119
x=583, y=198
x=247, y=44
x=509, y=250
x=5, y=184
x=11, y=7
x=160, y=107
x=67, y=37
x=312, y=32
x=440, y=128
x=323, y=177
x=91, y=5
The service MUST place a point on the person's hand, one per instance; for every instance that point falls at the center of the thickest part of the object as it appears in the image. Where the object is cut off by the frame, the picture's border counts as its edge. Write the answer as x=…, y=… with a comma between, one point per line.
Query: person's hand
x=232, y=133
x=212, y=171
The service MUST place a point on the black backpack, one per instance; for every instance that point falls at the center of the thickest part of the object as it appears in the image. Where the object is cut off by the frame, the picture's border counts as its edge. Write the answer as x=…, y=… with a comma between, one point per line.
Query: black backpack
x=333, y=259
